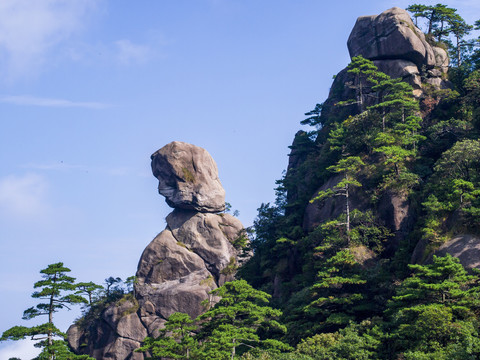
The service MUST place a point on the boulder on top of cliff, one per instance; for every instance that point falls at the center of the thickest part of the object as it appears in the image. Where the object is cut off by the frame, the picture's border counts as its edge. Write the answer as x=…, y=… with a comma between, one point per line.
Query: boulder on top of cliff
x=390, y=35
x=188, y=177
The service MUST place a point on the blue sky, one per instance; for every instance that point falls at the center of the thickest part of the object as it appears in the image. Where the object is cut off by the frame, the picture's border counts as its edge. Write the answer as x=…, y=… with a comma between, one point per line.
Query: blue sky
x=90, y=88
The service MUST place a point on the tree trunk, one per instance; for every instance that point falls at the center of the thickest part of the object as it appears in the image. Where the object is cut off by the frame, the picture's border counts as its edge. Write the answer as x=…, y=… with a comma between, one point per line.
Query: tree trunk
x=441, y=32
x=233, y=349
x=348, y=213
x=361, y=95
x=50, y=315
x=430, y=22
x=383, y=120
x=459, y=59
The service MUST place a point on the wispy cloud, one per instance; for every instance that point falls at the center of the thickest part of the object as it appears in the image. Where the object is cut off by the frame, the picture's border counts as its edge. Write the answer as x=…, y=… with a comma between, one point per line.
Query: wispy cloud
x=22, y=349
x=30, y=29
x=26, y=100
x=24, y=196
x=62, y=166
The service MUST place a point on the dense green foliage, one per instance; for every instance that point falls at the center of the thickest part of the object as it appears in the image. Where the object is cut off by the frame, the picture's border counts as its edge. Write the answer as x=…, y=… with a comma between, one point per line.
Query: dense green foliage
x=239, y=323
x=345, y=287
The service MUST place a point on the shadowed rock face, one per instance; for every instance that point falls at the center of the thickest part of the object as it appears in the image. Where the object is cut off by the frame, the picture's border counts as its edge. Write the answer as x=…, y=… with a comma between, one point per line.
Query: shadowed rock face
x=197, y=252
x=188, y=178
x=318, y=212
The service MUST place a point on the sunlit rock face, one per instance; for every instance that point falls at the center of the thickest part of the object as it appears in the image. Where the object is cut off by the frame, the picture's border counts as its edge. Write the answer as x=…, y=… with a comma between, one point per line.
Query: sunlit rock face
x=195, y=254
x=198, y=251
x=390, y=35
x=188, y=178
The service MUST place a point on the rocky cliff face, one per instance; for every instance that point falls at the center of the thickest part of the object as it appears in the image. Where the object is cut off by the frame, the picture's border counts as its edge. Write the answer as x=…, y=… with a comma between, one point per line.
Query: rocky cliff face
x=400, y=50
x=198, y=251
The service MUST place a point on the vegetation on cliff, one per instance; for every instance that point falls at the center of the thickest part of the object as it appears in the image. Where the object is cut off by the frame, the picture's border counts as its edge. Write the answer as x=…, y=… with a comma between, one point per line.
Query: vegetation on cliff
x=350, y=277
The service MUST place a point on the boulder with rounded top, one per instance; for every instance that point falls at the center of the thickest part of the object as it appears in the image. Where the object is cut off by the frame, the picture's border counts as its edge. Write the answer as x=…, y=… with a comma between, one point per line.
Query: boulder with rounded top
x=188, y=177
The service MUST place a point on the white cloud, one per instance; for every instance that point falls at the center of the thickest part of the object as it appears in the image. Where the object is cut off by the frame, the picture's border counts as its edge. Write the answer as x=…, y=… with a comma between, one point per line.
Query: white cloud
x=22, y=349
x=26, y=100
x=23, y=196
x=29, y=29
x=129, y=52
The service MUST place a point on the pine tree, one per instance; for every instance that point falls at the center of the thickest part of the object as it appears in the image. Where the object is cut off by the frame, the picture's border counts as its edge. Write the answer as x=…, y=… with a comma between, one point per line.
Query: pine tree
x=88, y=289
x=235, y=320
x=58, y=291
x=366, y=75
x=432, y=312
x=175, y=341
x=418, y=10
x=459, y=28
x=336, y=290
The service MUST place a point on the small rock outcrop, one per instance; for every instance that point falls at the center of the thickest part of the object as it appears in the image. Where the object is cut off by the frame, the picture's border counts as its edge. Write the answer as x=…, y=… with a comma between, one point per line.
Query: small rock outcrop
x=199, y=250
x=465, y=247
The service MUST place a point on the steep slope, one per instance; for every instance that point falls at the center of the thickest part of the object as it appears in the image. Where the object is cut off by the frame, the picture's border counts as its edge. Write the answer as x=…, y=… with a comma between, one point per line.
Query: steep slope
x=355, y=203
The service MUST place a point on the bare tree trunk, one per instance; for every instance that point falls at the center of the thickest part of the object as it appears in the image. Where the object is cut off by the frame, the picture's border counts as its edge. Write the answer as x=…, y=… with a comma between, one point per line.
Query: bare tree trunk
x=383, y=120
x=50, y=317
x=430, y=22
x=459, y=58
x=348, y=213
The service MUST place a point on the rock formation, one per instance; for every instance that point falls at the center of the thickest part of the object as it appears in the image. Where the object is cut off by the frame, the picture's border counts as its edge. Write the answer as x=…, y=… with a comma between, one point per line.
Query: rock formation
x=399, y=49
x=198, y=251
x=188, y=178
